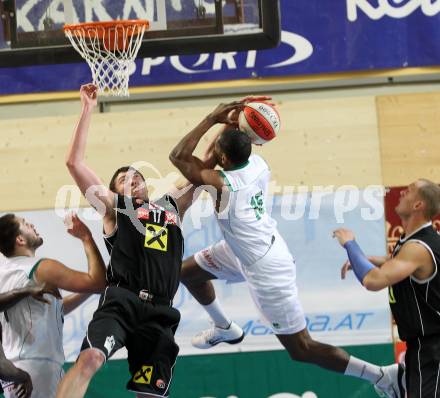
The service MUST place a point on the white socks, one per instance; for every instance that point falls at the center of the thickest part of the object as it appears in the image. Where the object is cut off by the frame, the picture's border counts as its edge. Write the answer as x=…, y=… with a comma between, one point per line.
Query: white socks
x=363, y=370
x=217, y=315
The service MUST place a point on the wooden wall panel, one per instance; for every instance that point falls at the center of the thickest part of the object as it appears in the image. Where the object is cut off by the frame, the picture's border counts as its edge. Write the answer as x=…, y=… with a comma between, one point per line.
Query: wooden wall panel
x=327, y=142
x=331, y=141
x=410, y=137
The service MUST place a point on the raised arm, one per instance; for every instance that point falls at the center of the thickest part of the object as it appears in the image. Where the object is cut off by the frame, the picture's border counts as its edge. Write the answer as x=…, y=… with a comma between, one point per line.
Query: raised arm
x=54, y=273
x=182, y=155
x=91, y=186
x=186, y=194
x=412, y=259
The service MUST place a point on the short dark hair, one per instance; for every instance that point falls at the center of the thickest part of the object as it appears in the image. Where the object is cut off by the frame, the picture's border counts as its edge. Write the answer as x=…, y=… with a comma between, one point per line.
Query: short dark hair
x=430, y=194
x=9, y=230
x=236, y=145
x=123, y=169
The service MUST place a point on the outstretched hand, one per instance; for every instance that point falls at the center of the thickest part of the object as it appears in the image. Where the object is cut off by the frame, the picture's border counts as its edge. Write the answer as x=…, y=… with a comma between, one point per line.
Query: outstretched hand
x=234, y=115
x=89, y=95
x=343, y=235
x=76, y=227
x=257, y=98
x=229, y=113
x=225, y=113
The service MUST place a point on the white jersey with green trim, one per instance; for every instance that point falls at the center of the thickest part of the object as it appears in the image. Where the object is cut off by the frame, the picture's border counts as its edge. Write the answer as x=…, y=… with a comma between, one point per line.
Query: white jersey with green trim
x=31, y=329
x=245, y=224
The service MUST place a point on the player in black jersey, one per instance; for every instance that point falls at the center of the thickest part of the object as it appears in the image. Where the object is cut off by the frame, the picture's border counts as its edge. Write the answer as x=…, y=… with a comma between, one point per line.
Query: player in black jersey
x=413, y=281
x=146, y=246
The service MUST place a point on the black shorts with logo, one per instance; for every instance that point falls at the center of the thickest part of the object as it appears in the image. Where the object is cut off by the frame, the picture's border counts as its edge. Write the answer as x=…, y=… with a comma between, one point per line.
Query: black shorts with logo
x=422, y=360
x=145, y=329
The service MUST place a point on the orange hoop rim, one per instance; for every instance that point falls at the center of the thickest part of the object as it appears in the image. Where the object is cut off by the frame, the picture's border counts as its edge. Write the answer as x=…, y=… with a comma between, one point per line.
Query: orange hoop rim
x=107, y=25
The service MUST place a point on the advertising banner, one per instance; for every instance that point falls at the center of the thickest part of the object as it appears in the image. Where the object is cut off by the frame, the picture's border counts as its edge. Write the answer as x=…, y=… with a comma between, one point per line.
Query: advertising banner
x=338, y=311
x=317, y=37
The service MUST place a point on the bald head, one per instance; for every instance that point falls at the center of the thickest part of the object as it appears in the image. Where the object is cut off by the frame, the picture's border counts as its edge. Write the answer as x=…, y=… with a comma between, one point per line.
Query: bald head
x=429, y=193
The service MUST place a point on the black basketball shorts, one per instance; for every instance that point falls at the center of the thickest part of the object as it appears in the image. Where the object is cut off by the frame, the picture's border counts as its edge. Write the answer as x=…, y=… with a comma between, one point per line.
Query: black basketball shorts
x=145, y=329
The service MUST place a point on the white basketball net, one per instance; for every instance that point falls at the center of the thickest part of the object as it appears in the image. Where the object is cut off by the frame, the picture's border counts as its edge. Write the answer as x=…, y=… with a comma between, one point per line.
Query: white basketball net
x=109, y=52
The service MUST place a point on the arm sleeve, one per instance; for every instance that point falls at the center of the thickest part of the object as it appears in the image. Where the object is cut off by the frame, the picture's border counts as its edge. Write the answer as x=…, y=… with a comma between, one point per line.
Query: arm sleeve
x=359, y=262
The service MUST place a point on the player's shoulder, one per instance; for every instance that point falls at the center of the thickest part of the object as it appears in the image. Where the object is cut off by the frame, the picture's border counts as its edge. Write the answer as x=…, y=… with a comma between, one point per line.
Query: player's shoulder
x=7, y=271
x=12, y=278
x=416, y=250
x=258, y=160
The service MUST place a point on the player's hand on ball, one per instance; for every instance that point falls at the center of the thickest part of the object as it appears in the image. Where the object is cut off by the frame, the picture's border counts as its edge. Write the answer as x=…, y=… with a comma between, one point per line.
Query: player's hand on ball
x=76, y=227
x=257, y=98
x=234, y=114
x=345, y=268
x=233, y=117
x=343, y=235
x=89, y=95
x=224, y=113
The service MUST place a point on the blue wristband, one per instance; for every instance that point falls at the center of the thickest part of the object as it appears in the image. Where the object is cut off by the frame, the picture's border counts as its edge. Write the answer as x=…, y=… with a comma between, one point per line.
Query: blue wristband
x=360, y=264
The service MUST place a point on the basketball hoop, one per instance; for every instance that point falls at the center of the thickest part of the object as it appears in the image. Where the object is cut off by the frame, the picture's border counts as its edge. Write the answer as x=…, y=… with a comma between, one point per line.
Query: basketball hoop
x=109, y=49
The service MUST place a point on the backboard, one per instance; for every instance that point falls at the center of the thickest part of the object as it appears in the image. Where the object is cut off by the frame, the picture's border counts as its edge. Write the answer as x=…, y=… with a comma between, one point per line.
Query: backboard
x=31, y=31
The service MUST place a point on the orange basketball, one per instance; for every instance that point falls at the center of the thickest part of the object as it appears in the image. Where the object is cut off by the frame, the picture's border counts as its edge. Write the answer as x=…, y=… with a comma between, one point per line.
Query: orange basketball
x=260, y=121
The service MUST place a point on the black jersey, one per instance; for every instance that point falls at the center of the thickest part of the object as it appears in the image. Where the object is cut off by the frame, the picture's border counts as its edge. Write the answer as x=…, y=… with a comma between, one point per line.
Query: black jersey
x=415, y=304
x=110, y=240
x=146, y=249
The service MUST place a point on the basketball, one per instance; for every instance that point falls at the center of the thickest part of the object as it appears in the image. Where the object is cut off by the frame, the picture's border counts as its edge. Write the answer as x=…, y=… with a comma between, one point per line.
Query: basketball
x=260, y=121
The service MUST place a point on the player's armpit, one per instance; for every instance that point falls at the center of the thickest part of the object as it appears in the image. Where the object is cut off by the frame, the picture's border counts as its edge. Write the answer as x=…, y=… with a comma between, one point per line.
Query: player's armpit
x=213, y=178
x=56, y=274
x=412, y=259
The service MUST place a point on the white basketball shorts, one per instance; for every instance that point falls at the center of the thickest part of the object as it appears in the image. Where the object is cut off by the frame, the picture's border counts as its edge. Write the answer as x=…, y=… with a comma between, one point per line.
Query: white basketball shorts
x=271, y=281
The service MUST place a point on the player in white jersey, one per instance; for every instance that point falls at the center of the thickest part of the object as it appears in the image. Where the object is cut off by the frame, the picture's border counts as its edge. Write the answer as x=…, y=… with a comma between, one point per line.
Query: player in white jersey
x=32, y=330
x=19, y=378
x=8, y=371
x=254, y=251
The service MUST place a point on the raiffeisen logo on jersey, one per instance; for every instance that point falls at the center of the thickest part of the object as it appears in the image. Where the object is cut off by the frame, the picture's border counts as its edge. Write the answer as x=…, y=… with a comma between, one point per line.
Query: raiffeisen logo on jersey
x=300, y=50
x=391, y=8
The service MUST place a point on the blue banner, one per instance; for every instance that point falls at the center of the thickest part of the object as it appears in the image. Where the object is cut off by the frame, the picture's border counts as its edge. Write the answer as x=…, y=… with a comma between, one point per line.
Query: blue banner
x=317, y=37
